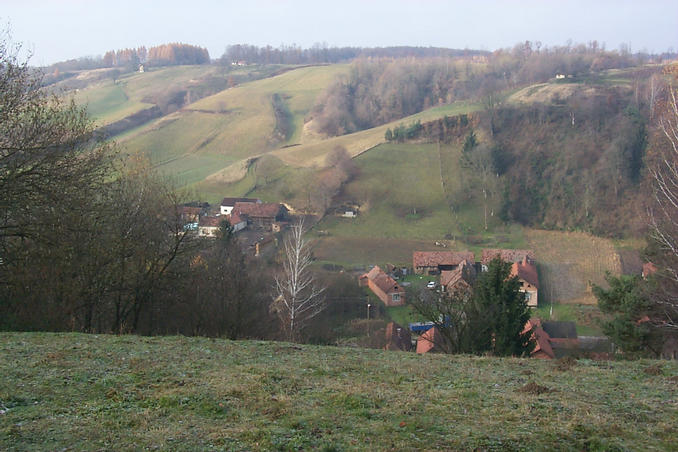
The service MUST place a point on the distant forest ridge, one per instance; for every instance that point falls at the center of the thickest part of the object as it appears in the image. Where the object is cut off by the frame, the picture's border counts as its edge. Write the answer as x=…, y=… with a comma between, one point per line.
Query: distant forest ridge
x=178, y=53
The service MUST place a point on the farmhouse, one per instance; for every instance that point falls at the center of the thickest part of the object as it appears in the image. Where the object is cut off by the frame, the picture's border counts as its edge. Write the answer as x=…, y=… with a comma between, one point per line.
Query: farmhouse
x=209, y=226
x=237, y=222
x=383, y=286
x=542, y=341
x=526, y=272
x=507, y=255
x=433, y=262
x=261, y=214
x=459, y=280
x=430, y=341
x=190, y=214
x=227, y=204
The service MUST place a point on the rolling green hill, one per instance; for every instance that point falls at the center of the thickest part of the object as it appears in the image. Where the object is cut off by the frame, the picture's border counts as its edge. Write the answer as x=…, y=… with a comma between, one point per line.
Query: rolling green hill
x=112, y=99
x=256, y=139
x=232, y=126
x=84, y=392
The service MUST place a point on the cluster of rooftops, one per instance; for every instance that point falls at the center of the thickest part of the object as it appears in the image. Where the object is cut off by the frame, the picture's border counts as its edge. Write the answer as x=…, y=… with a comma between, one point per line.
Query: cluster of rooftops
x=456, y=270
x=239, y=212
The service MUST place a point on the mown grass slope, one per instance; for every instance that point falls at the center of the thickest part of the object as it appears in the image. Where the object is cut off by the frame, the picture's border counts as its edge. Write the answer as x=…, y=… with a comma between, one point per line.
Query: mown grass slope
x=213, y=133
x=109, y=100
x=86, y=392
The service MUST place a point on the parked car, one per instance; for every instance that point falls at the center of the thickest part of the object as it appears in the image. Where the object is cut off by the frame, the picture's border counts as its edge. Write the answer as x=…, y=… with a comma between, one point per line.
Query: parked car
x=431, y=285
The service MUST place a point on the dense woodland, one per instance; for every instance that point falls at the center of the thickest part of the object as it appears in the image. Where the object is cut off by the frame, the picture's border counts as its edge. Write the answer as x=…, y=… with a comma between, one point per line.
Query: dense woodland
x=380, y=90
x=321, y=53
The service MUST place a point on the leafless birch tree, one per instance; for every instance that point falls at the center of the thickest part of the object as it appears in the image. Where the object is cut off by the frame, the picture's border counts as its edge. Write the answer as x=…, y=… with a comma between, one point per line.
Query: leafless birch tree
x=664, y=212
x=298, y=298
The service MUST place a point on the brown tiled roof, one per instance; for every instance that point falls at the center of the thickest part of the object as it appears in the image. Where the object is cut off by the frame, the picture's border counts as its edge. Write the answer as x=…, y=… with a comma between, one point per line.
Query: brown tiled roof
x=526, y=271
x=427, y=341
x=232, y=201
x=541, y=338
x=259, y=210
x=382, y=280
x=507, y=255
x=464, y=273
x=210, y=221
x=435, y=258
x=234, y=219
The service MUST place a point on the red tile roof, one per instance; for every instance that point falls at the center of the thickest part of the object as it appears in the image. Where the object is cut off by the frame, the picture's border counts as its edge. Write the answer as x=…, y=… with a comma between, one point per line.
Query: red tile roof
x=427, y=341
x=526, y=271
x=541, y=338
x=258, y=210
x=507, y=255
x=465, y=273
x=382, y=280
x=234, y=219
x=210, y=221
x=436, y=258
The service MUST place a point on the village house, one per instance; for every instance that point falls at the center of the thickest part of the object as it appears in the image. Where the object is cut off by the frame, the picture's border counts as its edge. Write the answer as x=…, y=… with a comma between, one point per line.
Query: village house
x=433, y=262
x=506, y=255
x=237, y=222
x=542, y=341
x=383, y=286
x=209, y=226
x=262, y=214
x=459, y=280
x=190, y=214
x=526, y=272
x=430, y=341
x=227, y=204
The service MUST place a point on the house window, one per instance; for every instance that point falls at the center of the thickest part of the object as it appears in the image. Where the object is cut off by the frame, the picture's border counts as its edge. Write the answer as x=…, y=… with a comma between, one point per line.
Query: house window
x=395, y=297
x=528, y=295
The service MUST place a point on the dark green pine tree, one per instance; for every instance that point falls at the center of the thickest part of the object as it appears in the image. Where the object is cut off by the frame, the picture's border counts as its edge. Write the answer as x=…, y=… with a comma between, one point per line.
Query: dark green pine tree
x=501, y=313
x=627, y=304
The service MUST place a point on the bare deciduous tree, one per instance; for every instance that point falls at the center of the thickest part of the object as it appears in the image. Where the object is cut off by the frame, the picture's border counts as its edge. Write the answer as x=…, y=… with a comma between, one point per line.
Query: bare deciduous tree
x=664, y=212
x=297, y=297
x=479, y=161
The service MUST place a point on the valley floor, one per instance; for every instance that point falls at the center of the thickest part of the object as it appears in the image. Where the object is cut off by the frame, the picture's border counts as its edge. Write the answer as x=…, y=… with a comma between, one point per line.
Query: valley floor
x=88, y=392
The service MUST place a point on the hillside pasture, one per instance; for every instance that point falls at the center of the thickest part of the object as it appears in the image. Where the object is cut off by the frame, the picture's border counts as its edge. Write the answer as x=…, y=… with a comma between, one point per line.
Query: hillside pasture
x=229, y=127
x=112, y=99
x=570, y=262
x=315, y=152
x=87, y=392
x=108, y=102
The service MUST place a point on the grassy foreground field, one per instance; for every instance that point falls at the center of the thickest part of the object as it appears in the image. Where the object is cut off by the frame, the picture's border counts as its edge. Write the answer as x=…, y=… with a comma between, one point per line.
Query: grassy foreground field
x=86, y=392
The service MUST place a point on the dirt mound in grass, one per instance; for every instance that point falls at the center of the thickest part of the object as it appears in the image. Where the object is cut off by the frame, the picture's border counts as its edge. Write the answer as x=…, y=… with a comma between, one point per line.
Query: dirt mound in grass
x=534, y=388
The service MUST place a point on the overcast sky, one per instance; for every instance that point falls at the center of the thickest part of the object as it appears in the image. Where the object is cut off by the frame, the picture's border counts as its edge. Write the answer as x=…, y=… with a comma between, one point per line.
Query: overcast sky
x=57, y=30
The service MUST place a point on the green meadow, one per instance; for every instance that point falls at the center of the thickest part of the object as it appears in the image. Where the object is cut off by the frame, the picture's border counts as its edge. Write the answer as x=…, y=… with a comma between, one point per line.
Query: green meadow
x=96, y=392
